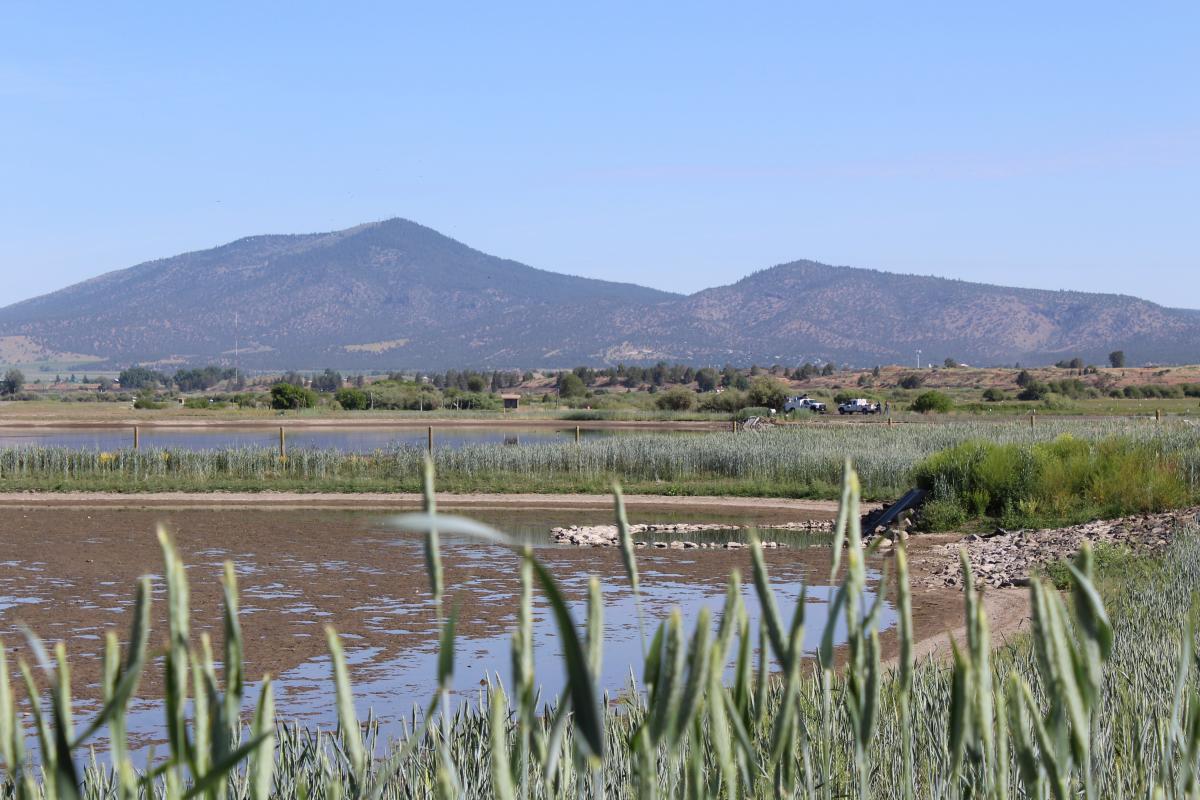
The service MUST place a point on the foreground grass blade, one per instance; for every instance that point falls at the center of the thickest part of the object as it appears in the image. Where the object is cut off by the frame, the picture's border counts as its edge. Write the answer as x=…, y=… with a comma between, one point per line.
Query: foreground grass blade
x=589, y=721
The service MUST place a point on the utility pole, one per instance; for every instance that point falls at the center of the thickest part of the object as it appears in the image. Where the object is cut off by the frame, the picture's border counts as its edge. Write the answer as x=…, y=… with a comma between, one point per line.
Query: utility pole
x=918, y=358
x=236, y=381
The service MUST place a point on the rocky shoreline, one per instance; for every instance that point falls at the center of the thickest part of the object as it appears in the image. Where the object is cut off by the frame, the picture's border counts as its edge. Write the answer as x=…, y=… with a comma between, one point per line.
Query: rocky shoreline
x=1000, y=559
x=606, y=535
x=1007, y=558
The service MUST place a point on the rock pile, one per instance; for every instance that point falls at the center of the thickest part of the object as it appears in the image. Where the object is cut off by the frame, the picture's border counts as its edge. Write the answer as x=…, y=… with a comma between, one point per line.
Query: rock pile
x=1007, y=558
x=606, y=535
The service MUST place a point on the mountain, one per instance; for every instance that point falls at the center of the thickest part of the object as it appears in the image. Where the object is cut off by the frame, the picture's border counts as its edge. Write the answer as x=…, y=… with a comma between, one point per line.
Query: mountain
x=388, y=293
x=864, y=317
x=395, y=294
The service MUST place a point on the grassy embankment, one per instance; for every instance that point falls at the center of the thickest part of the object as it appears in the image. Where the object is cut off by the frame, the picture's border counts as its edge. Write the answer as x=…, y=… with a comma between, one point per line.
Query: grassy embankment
x=1055, y=472
x=1090, y=703
x=797, y=461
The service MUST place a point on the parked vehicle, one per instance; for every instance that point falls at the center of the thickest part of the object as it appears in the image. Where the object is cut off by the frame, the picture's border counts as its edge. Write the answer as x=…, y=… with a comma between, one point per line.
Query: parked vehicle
x=860, y=405
x=802, y=403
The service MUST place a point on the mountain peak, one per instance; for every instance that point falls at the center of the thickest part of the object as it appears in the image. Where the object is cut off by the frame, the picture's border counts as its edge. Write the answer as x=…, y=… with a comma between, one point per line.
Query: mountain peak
x=396, y=294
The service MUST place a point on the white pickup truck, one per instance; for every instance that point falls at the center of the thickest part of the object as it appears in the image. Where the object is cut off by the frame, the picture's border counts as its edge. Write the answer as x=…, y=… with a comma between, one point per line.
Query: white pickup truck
x=859, y=405
x=803, y=402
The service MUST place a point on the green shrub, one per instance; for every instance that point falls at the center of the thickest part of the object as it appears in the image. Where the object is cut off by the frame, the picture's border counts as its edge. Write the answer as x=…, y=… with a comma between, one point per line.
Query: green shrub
x=286, y=396
x=932, y=401
x=752, y=411
x=1034, y=390
x=1066, y=479
x=942, y=514
x=352, y=399
x=727, y=401
x=677, y=399
x=147, y=402
x=994, y=395
x=768, y=393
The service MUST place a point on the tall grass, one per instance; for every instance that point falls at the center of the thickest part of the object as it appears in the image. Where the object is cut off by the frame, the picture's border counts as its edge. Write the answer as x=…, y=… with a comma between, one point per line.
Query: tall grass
x=1064, y=480
x=1082, y=707
x=798, y=461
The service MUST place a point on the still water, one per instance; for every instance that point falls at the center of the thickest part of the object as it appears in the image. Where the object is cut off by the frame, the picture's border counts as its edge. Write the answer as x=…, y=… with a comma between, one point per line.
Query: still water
x=69, y=575
x=348, y=440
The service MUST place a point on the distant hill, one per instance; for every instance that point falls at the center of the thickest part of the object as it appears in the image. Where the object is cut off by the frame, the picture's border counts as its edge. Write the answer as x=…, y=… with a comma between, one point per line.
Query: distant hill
x=396, y=294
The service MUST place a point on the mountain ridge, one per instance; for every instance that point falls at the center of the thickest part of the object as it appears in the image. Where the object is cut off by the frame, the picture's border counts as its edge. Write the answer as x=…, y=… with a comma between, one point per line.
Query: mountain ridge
x=396, y=294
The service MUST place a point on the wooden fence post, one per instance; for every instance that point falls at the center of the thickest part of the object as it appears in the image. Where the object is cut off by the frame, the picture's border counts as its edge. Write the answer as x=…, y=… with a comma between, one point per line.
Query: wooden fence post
x=136, y=438
x=429, y=441
x=576, y=434
x=282, y=443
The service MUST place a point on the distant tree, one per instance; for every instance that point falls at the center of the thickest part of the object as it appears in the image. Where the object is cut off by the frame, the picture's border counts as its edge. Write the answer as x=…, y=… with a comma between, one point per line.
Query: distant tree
x=994, y=395
x=676, y=399
x=912, y=381
x=286, y=396
x=1024, y=378
x=571, y=385
x=1116, y=359
x=807, y=371
x=875, y=372
x=136, y=378
x=13, y=383
x=327, y=381
x=476, y=383
x=768, y=393
x=932, y=401
x=658, y=374
x=741, y=383
x=706, y=379
x=198, y=380
x=950, y=363
x=827, y=370
x=293, y=377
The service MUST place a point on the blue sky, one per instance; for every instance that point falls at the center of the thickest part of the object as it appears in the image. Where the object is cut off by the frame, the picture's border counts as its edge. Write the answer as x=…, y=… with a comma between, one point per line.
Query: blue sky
x=682, y=146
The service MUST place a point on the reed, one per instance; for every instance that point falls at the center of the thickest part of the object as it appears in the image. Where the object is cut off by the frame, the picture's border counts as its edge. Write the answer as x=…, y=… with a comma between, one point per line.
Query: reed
x=796, y=460
x=1085, y=705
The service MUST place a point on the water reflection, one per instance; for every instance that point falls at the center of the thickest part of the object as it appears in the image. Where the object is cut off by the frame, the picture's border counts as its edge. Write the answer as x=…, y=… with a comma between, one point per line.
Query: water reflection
x=69, y=575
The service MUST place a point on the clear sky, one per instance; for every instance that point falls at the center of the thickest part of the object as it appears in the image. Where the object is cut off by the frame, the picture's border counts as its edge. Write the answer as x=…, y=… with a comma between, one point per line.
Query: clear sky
x=679, y=145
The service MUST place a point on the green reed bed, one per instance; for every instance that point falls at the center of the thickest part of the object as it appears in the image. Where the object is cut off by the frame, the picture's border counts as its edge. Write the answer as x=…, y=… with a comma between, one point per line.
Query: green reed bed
x=1084, y=705
x=1068, y=479
x=802, y=461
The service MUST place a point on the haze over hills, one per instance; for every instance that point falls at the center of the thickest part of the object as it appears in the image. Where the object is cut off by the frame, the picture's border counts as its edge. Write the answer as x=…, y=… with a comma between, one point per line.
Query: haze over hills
x=395, y=294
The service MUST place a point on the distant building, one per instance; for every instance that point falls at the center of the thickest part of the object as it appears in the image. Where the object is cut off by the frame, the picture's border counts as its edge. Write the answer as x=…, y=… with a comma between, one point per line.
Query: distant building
x=511, y=401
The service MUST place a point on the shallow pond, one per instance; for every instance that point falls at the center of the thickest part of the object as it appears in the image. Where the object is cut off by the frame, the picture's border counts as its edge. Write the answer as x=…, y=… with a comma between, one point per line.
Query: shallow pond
x=69, y=575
